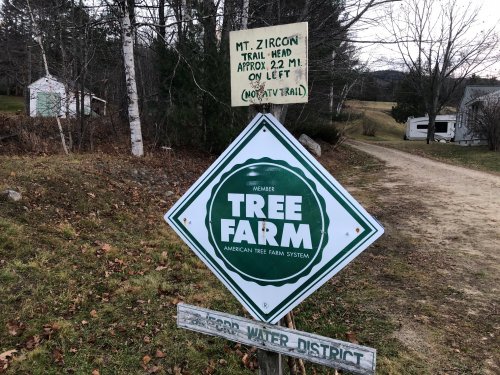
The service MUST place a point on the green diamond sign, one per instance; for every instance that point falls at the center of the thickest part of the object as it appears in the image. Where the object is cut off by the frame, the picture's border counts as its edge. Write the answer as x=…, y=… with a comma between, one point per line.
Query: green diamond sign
x=270, y=221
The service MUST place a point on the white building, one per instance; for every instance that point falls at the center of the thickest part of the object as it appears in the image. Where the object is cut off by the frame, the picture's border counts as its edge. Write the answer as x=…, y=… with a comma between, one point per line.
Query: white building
x=467, y=110
x=50, y=98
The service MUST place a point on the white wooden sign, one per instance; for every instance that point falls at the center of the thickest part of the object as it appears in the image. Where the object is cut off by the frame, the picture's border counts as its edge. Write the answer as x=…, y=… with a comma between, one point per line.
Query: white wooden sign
x=269, y=65
x=314, y=348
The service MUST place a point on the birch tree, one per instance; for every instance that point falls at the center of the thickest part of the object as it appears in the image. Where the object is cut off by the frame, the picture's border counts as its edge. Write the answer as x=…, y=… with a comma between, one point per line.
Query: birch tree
x=129, y=65
x=46, y=66
x=438, y=44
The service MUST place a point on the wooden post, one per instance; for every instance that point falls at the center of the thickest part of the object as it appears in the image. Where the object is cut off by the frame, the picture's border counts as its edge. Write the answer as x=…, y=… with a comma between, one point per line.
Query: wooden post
x=269, y=362
x=279, y=111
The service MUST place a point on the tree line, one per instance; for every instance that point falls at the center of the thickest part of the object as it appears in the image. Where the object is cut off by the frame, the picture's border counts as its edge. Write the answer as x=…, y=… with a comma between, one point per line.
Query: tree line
x=180, y=56
x=163, y=65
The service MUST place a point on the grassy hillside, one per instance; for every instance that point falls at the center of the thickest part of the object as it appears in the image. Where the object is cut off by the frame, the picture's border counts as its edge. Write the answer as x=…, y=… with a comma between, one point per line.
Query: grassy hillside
x=390, y=133
x=11, y=103
x=378, y=115
x=91, y=273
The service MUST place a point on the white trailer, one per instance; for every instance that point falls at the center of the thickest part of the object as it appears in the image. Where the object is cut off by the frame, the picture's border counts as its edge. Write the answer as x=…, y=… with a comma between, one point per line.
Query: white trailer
x=416, y=128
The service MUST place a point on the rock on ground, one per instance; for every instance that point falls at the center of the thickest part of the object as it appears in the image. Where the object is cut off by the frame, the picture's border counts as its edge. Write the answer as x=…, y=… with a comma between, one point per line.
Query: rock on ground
x=11, y=195
x=310, y=144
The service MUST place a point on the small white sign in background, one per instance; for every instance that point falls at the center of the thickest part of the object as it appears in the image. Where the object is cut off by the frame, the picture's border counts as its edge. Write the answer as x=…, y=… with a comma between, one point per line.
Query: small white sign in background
x=269, y=65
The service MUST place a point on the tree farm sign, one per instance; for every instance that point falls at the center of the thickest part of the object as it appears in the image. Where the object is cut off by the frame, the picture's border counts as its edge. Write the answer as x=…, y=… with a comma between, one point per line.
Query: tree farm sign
x=270, y=222
x=269, y=65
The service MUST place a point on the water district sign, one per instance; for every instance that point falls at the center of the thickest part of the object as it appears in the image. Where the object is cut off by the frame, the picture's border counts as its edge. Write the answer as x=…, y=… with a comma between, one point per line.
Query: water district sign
x=270, y=222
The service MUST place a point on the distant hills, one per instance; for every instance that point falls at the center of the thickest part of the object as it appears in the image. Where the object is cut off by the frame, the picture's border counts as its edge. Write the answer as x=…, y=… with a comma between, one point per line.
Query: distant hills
x=381, y=85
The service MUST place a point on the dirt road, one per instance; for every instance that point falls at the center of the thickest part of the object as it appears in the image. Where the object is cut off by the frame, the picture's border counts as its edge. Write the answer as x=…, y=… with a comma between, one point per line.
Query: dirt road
x=453, y=216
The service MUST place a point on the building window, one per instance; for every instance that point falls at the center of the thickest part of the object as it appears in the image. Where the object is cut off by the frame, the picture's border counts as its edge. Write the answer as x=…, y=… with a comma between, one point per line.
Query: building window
x=441, y=127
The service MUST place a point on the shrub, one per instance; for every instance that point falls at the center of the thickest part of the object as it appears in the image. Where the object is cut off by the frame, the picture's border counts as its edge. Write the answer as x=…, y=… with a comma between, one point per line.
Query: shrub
x=40, y=135
x=369, y=126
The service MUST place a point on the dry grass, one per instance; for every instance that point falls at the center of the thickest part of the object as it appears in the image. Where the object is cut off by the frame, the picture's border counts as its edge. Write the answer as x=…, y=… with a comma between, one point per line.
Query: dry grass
x=91, y=273
x=11, y=104
x=390, y=133
x=377, y=114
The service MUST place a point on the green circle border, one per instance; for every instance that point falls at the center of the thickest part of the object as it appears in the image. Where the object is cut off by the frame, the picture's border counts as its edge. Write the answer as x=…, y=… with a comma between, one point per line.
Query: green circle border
x=319, y=253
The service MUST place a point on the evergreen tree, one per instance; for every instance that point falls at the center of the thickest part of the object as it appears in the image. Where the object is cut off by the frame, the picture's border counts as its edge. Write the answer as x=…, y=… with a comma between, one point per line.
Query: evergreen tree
x=408, y=102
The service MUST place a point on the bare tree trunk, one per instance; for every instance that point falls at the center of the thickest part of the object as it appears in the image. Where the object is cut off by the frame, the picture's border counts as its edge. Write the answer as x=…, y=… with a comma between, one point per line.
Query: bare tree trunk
x=244, y=14
x=129, y=63
x=161, y=20
x=26, y=89
x=44, y=57
x=334, y=54
x=187, y=18
x=343, y=96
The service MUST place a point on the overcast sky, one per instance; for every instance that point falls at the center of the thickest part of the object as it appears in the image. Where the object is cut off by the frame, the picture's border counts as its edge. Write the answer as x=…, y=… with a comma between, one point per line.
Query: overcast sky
x=380, y=56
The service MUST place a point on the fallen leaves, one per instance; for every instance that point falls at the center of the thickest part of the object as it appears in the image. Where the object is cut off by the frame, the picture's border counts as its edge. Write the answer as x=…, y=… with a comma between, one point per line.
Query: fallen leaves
x=8, y=354
x=351, y=337
x=177, y=300
x=6, y=358
x=149, y=367
x=210, y=369
x=249, y=359
x=32, y=342
x=106, y=247
x=15, y=327
x=154, y=369
x=58, y=356
x=83, y=317
x=47, y=333
x=160, y=354
x=50, y=329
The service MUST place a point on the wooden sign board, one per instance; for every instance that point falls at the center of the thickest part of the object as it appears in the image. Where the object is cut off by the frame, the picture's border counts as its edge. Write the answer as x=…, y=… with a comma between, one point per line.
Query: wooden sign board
x=269, y=65
x=356, y=359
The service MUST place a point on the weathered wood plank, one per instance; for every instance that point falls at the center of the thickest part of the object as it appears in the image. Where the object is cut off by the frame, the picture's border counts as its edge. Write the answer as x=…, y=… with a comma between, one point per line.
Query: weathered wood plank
x=314, y=348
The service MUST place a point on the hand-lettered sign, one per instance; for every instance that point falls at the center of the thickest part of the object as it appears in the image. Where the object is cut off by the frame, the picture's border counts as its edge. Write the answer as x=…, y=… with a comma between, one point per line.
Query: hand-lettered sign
x=270, y=221
x=269, y=65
